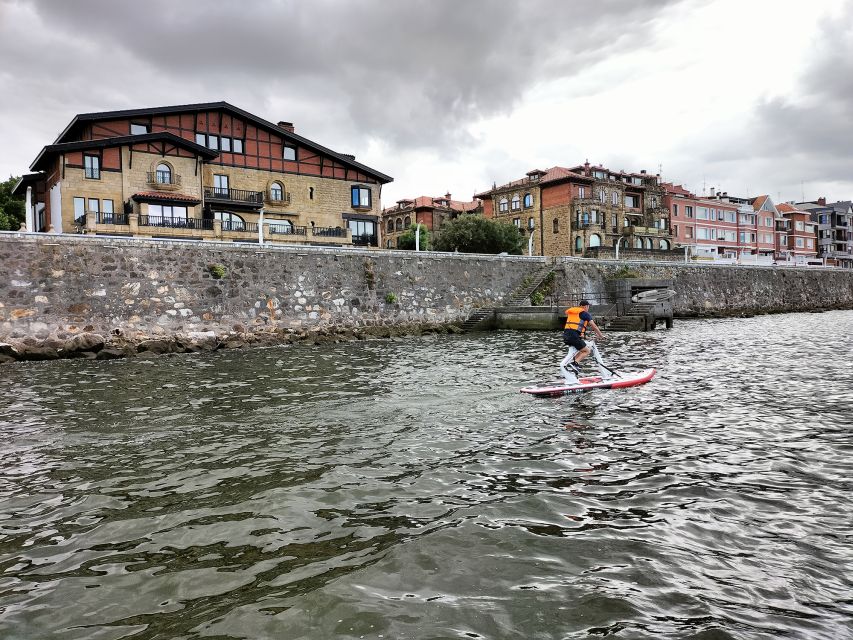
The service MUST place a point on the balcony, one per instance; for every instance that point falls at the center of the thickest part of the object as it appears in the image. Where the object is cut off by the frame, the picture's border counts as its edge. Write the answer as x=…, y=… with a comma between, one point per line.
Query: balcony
x=585, y=223
x=329, y=232
x=238, y=197
x=205, y=224
x=112, y=218
x=365, y=240
x=286, y=230
x=163, y=180
x=282, y=200
x=239, y=226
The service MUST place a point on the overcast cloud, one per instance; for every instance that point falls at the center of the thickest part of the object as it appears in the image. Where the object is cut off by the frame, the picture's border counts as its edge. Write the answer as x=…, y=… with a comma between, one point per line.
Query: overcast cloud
x=457, y=94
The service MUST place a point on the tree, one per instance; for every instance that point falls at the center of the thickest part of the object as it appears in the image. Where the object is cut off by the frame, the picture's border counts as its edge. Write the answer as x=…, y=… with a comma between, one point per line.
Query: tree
x=475, y=234
x=407, y=239
x=11, y=207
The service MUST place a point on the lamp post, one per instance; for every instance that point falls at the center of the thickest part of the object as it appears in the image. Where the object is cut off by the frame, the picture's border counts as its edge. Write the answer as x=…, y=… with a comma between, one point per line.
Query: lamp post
x=530, y=227
x=418, y=237
x=618, y=242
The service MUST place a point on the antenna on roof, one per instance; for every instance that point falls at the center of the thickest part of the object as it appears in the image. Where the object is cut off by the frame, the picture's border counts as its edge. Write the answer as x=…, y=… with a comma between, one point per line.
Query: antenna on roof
x=802, y=192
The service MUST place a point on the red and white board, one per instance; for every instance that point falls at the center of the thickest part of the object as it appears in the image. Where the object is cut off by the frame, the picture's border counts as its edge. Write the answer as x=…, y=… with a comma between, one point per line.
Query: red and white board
x=620, y=381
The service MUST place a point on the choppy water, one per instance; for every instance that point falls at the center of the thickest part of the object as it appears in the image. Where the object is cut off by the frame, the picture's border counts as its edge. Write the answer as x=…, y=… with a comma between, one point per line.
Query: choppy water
x=405, y=489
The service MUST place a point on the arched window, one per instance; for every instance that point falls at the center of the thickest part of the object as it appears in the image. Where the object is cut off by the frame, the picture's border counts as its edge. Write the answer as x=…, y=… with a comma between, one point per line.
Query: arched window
x=398, y=225
x=664, y=245
x=595, y=240
x=579, y=244
x=528, y=200
x=516, y=203
x=276, y=192
x=648, y=243
x=230, y=221
x=626, y=222
x=390, y=225
x=164, y=173
x=407, y=222
x=503, y=205
x=638, y=243
x=556, y=226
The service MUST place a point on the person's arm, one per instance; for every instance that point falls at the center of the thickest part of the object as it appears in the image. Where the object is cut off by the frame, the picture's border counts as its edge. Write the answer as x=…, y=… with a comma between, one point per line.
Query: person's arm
x=596, y=329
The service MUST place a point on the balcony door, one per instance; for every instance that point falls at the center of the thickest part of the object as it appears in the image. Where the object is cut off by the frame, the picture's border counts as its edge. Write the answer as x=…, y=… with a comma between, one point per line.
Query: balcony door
x=220, y=185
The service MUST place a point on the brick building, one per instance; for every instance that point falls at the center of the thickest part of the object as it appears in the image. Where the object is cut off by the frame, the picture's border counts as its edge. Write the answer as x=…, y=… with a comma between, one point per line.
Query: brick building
x=203, y=171
x=430, y=212
x=800, y=235
x=706, y=227
x=834, y=228
x=584, y=210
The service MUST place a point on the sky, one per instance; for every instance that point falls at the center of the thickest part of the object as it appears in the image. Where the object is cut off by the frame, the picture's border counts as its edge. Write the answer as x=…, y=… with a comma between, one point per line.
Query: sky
x=450, y=96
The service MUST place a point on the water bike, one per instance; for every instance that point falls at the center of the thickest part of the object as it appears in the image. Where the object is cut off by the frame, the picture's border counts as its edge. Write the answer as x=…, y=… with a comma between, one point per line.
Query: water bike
x=607, y=378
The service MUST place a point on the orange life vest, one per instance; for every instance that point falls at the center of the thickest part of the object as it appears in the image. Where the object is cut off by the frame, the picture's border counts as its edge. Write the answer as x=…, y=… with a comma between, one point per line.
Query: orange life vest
x=573, y=320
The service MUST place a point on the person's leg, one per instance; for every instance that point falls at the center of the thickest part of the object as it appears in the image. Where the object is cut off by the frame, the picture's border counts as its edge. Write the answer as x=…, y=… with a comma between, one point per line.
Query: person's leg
x=583, y=353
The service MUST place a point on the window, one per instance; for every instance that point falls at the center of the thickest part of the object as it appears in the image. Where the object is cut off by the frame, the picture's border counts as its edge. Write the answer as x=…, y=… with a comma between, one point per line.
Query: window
x=768, y=222
x=614, y=221
x=528, y=200
x=675, y=211
x=390, y=225
x=163, y=175
x=688, y=211
x=360, y=197
x=276, y=192
x=649, y=243
x=595, y=240
x=581, y=192
x=810, y=243
x=614, y=198
x=108, y=206
x=220, y=185
x=139, y=129
x=399, y=224
x=675, y=230
x=517, y=222
x=107, y=210
x=516, y=203
x=556, y=226
x=702, y=213
x=92, y=167
x=799, y=225
x=201, y=139
x=363, y=232
x=632, y=202
x=654, y=204
x=167, y=211
x=310, y=193
x=407, y=222
x=598, y=174
x=579, y=244
x=289, y=153
x=602, y=195
x=94, y=205
x=503, y=205
x=80, y=210
x=638, y=243
x=664, y=245
x=232, y=145
x=230, y=221
x=800, y=243
x=236, y=145
x=226, y=144
x=213, y=142
x=688, y=232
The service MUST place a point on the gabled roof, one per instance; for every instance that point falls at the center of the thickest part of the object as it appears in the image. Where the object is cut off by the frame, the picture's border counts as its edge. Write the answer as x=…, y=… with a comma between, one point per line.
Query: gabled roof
x=221, y=106
x=102, y=143
x=677, y=190
x=25, y=180
x=430, y=202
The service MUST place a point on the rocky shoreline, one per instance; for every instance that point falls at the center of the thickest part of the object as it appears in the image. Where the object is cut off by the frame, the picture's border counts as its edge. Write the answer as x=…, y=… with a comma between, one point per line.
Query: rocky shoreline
x=94, y=346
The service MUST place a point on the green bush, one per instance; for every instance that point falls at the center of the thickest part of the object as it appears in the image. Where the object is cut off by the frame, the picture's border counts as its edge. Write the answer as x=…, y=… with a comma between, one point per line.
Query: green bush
x=217, y=270
x=407, y=240
x=390, y=298
x=475, y=234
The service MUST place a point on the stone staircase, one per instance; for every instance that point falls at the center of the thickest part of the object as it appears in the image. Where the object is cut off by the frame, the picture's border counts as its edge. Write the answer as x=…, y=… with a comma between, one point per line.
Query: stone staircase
x=515, y=299
x=637, y=317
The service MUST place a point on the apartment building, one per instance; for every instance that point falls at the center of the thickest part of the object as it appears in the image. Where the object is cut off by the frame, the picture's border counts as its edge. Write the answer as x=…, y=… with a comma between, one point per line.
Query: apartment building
x=584, y=210
x=834, y=227
x=426, y=210
x=200, y=171
x=708, y=228
x=801, y=236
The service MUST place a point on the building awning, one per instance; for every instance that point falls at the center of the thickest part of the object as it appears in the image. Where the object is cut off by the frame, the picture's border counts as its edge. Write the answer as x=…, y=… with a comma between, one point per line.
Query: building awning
x=157, y=196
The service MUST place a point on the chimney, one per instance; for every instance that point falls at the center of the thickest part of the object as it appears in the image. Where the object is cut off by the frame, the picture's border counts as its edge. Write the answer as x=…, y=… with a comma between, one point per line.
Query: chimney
x=822, y=201
x=287, y=126
x=447, y=195
x=643, y=171
x=712, y=191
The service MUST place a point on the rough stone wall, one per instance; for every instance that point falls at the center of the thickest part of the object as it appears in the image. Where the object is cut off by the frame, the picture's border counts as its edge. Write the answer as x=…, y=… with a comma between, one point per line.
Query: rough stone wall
x=55, y=286
x=724, y=290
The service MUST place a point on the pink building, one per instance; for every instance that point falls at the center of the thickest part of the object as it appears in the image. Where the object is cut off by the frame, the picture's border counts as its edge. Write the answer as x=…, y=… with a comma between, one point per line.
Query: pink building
x=708, y=227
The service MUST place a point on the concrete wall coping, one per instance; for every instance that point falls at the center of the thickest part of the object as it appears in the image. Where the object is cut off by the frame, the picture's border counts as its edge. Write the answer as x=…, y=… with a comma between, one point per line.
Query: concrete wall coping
x=172, y=243
x=692, y=265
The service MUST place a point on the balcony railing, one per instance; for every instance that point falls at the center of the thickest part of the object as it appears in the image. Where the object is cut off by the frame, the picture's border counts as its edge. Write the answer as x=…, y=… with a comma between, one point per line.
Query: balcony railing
x=286, y=229
x=234, y=195
x=239, y=225
x=176, y=223
x=163, y=177
x=283, y=199
x=329, y=232
x=112, y=218
x=365, y=240
x=582, y=223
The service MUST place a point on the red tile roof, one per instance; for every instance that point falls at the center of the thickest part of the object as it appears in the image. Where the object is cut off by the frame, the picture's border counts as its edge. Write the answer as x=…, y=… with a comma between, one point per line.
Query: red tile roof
x=759, y=202
x=429, y=201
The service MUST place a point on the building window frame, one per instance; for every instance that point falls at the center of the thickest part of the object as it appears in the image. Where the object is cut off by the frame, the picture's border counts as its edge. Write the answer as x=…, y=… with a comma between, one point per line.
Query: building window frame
x=528, y=201
x=288, y=152
x=361, y=197
x=92, y=166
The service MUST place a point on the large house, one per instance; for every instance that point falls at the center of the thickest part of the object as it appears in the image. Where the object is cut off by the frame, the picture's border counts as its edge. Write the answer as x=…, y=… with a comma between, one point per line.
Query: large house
x=202, y=171
x=708, y=228
x=800, y=234
x=834, y=230
x=584, y=210
x=426, y=210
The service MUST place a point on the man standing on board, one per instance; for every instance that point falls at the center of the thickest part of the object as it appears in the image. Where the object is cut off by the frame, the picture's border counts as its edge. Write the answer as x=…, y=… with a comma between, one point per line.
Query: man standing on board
x=578, y=319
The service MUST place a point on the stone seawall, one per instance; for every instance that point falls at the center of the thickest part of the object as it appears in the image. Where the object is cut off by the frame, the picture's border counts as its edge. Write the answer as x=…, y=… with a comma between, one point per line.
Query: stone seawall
x=141, y=295
x=719, y=290
x=78, y=296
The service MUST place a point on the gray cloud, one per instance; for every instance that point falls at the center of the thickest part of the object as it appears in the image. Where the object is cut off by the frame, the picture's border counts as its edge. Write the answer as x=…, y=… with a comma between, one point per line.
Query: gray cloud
x=410, y=73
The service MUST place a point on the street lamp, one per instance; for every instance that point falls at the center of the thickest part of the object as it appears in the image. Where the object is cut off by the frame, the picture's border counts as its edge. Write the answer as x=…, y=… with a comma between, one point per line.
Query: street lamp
x=618, y=242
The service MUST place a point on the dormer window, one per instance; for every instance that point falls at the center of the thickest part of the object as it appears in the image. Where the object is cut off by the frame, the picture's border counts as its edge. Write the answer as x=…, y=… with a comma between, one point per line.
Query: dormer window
x=139, y=129
x=289, y=153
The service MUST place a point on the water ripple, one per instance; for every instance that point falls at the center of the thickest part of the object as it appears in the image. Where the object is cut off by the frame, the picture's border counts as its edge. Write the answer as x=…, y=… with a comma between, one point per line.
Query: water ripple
x=405, y=489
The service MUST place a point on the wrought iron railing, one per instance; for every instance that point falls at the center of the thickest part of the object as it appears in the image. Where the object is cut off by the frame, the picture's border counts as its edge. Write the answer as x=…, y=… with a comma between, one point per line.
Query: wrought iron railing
x=365, y=240
x=106, y=217
x=590, y=222
x=234, y=195
x=286, y=229
x=239, y=225
x=284, y=197
x=329, y=232
x=164, y=177
x=176, y=223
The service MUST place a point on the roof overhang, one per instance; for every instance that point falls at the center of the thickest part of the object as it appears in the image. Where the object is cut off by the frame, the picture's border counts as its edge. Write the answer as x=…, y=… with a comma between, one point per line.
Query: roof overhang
x=64, y=147
x=25, y=181
x=157, y=196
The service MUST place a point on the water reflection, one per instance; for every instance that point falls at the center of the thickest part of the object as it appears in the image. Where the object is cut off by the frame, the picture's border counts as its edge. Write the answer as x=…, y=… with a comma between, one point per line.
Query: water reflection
x=405, y=489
